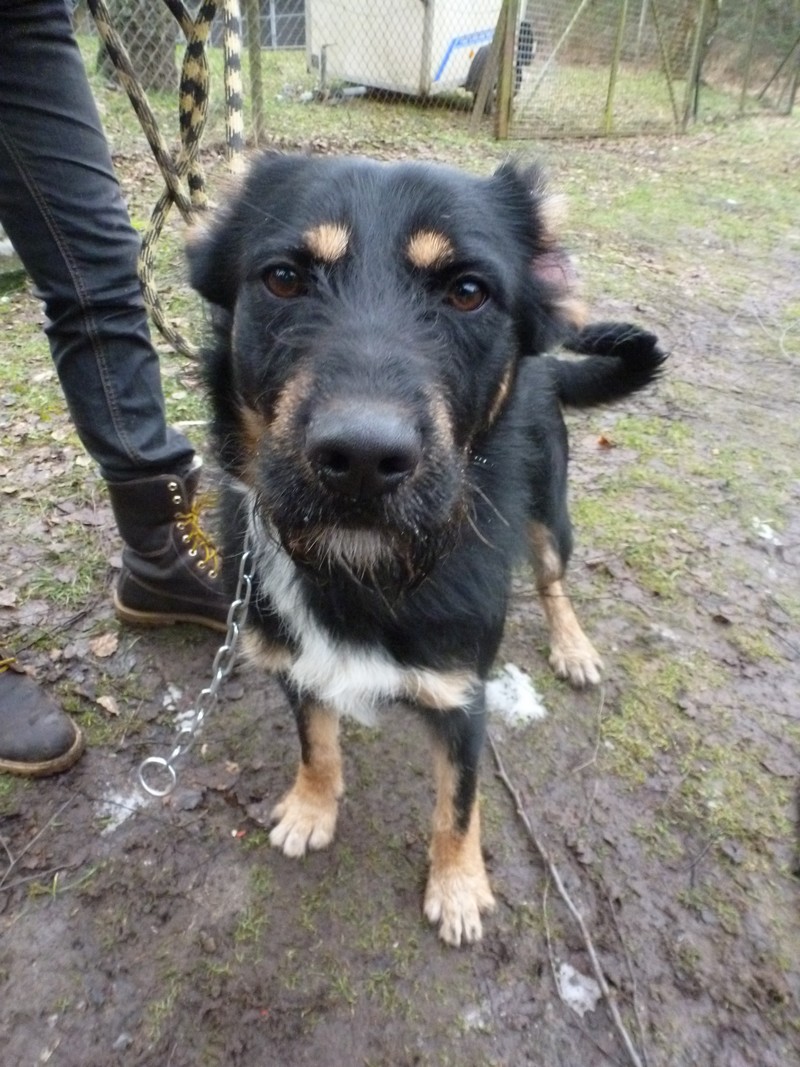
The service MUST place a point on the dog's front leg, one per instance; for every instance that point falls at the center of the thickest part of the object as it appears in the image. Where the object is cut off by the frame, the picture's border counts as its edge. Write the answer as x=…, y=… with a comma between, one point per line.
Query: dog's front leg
x=458, y=887
x=306, y=817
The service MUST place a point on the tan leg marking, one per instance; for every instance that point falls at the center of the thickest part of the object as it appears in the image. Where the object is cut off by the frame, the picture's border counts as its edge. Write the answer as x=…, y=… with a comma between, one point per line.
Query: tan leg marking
x=306, y=817
x=442, y=690
x=270, y=657
x=458, y=887
x=572, y=654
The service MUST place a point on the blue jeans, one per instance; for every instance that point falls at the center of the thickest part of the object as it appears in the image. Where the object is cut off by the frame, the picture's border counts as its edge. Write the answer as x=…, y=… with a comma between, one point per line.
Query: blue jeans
x=62, y=208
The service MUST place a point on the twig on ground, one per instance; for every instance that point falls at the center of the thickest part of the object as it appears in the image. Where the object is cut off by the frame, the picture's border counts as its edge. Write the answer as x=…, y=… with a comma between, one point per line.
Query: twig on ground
x=67, y=624
x=593, y=758
x=631, y=975
x=556, y=877
x=33, y=841
x=548, y=939
x=8, y=886
x=552, y=958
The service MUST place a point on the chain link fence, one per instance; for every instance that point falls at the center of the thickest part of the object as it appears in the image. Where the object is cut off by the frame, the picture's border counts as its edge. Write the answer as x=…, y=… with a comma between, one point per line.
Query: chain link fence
x=638, y=66
x=753, y=59
x=315, y=69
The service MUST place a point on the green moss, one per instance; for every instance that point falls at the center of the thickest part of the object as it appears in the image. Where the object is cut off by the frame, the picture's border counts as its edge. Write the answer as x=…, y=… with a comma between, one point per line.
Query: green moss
x=250, y=926
x=11, y=791
x=754, y=644
x=717, y=901
x=727, y=791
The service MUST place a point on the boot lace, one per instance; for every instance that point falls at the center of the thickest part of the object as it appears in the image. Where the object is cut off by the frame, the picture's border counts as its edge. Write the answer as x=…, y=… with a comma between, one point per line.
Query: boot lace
x=199, y=545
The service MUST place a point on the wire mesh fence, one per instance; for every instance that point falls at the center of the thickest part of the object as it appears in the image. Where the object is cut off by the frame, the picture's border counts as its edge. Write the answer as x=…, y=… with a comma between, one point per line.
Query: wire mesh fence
x=636, y=66
x=521, y=68
x=753, y=59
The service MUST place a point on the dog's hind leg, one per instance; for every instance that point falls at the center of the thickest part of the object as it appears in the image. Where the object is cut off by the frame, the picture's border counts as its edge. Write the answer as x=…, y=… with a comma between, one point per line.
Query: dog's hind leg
x=458, y=887
x=306, y=817
x=572, y=654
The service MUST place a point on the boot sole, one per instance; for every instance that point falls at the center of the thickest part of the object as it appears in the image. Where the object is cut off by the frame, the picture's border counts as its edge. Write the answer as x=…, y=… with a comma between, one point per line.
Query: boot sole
x=152, y=619
x=44, y=768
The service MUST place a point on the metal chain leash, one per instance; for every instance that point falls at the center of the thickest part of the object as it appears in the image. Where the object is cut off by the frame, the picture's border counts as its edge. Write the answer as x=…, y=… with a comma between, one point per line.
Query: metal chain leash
x=221, y=668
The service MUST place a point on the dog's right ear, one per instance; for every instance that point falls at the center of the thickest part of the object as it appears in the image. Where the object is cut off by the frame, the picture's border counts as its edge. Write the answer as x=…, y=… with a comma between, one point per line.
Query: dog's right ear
x=217, y=241
x=211, y=252
x=552, y=301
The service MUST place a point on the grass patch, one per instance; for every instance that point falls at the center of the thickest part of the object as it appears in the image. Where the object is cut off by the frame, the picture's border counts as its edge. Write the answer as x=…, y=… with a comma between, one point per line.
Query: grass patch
x=68, y=585
x=724, y=792
x=250, y=927
x=12, y=789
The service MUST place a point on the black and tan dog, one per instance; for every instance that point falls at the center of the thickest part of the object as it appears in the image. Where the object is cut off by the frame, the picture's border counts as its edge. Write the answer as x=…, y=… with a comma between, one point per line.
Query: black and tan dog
x=393, y=440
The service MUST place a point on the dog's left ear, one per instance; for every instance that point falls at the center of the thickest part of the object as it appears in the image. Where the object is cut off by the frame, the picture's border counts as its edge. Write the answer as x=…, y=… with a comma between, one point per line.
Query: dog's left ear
x=553, y=284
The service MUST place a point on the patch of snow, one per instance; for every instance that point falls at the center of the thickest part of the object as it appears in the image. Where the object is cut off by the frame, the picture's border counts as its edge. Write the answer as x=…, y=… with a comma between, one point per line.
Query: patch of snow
x=478, y=1018
x=116, y=807
x=578, y=991
x=511, y=694
x=171, y=697
x=766, y=532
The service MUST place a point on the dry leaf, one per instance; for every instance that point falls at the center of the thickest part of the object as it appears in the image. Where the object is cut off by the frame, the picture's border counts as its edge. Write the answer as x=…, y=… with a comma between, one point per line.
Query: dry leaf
x=109, y=704
x=104, y=646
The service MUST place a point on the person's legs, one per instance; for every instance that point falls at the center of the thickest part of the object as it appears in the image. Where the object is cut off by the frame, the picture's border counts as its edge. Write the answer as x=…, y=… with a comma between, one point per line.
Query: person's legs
x=62, y=208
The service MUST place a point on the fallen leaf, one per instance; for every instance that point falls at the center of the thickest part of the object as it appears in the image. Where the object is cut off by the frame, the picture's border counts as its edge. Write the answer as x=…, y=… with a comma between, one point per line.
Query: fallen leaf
x=104, y=646
x=8, y=598
x=109, y=704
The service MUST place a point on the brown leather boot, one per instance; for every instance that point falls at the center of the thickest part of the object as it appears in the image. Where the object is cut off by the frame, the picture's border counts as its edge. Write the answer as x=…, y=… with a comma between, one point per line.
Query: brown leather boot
x=36, y=737
x=170, y=567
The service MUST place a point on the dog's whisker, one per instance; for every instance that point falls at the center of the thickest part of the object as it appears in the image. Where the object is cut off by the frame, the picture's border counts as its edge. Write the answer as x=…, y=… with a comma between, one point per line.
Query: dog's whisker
x=477, y=489
x=478, y=534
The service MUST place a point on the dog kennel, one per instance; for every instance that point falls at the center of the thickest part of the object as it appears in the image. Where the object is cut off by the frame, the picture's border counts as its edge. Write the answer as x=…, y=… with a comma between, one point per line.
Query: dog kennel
x=402, y=46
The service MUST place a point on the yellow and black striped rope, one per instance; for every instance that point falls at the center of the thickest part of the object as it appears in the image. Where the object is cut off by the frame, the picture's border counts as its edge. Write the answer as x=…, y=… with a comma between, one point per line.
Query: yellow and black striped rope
x=193, y=111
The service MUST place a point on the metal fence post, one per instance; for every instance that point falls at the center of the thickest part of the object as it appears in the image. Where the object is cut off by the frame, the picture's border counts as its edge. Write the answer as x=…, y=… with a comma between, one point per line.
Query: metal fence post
x=749, y=57
x=505, y=81
x=252, y=12
x=612, y=77
x=693, y=74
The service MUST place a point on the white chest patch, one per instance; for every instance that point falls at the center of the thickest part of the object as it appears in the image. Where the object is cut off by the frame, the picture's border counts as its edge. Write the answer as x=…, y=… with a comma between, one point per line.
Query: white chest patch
x=350, y=679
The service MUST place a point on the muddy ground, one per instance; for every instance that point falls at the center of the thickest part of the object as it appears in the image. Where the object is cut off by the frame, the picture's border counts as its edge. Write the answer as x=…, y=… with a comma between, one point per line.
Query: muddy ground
x=137, y=931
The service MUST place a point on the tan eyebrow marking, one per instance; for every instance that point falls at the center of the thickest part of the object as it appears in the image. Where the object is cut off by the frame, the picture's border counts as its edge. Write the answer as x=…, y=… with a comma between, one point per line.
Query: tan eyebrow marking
x=428, y=248
x=328, y=241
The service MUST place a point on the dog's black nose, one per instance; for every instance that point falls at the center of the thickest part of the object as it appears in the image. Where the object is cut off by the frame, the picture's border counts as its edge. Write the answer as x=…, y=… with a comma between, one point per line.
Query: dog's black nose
x=362, y=452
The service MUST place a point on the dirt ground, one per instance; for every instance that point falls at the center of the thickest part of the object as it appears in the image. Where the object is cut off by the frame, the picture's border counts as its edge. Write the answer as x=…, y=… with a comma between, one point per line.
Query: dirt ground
x=138, y=931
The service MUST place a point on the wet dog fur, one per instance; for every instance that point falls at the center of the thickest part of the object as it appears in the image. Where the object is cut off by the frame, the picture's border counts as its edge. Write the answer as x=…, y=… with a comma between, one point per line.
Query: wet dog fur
x=392, y=434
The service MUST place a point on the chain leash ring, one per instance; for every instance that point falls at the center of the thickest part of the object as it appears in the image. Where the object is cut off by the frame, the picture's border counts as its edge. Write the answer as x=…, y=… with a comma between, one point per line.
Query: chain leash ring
x=224, y=662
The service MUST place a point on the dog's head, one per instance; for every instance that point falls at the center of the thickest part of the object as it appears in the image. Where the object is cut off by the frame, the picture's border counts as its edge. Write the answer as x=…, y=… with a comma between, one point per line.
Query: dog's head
x=371, y=320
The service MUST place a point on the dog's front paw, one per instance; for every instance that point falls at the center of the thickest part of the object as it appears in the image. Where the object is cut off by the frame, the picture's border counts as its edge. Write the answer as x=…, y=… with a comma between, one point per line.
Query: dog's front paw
x=577, y=661
x=304, y=821
x=455, y=899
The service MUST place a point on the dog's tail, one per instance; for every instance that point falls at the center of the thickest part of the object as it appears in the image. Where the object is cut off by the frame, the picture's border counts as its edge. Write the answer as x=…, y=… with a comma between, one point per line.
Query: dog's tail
x=622, y=359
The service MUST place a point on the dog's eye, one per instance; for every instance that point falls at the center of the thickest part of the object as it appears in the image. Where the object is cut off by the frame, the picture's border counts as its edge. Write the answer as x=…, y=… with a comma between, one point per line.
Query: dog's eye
x=467, y=294
x=284, y=281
